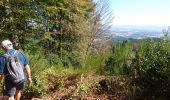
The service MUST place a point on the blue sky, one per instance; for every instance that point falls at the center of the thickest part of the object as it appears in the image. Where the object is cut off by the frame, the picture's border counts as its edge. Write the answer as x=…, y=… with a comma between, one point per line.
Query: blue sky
x=141, y=12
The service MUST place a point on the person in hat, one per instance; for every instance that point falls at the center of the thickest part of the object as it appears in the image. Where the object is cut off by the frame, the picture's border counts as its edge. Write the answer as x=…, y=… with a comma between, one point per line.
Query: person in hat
x=11, y=90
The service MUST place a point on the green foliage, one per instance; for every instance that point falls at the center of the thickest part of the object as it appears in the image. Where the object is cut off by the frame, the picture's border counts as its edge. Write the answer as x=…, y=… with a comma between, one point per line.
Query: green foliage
x=53, y=59
x=158, y=54
x=1, y=52
x=37, y=63
x=53, y=34
x=55, y=26
x=35, y=90
x=13, y=20
x=65, y=34
x=154, y=59
x=83, y=87
x=93, y=63
x=146, y=62
x=117, y=63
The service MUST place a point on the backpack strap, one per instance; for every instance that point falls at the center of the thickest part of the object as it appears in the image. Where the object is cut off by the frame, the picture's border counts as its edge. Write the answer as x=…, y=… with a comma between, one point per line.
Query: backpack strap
x=16, y=52
x=6, y=55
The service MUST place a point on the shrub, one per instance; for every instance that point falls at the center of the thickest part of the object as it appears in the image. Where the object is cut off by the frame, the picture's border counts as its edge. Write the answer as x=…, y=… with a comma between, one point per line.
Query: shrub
x=152, y=64
x=117, y=63
x=53, y=59
x=35, y=90
x=94, y=62
x=37, y=64
x=83, y=87
x=155, y=59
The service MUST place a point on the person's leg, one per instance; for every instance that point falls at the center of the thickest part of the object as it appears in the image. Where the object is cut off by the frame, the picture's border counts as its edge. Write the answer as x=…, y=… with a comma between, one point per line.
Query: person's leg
x=17, y=95
x=11, y=98
x=19, y=88
x=8, y=93
x=9, y=89
x=8, y=98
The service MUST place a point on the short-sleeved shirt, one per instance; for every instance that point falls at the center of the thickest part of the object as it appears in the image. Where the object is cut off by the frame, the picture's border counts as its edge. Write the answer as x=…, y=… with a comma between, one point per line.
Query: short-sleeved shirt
x=3, y=61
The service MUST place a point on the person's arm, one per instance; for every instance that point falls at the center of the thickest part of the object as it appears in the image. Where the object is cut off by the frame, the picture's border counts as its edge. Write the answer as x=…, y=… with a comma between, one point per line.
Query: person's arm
x=28, y=72
x=2, y=64
x=26, y=67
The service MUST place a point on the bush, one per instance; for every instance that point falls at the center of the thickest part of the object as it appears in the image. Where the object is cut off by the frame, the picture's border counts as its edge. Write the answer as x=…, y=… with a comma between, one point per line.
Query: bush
x=152, y=64
x=53, y=59
x=38, y=65
x=155, y=59
x=117, y=63
x=35, y=90
x=94, y=62
x=147, y=62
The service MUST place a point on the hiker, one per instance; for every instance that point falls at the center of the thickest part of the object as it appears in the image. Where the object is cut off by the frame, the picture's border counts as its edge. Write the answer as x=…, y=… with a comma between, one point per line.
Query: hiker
x=11, y=87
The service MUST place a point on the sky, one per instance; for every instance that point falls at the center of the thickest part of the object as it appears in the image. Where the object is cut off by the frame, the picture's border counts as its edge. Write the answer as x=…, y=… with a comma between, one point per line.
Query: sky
x=141, y=12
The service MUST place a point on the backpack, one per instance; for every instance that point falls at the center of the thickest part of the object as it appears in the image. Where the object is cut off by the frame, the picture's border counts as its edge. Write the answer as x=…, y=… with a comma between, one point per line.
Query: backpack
x=14, y=67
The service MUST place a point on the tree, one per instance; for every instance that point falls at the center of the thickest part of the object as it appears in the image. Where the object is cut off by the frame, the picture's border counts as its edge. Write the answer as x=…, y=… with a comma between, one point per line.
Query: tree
x=66, y=23
x=57, y=26
x=13, y=21
x=100, y=22
x=166, y=31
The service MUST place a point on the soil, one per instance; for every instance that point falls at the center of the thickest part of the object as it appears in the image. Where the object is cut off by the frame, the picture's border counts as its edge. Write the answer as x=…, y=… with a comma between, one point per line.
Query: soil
x=99, y=88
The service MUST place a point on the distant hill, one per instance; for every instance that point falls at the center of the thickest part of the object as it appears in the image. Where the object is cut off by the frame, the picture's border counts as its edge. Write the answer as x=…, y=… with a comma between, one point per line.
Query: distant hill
x=136, y=32
x=121, y=39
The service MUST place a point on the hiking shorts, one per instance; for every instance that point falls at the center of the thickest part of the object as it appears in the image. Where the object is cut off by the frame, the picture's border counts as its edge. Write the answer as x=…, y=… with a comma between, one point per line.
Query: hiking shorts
x=10, y=88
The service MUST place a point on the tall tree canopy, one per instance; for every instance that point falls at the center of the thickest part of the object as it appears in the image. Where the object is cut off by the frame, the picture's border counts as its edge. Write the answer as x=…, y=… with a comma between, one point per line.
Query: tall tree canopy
x=59, y=27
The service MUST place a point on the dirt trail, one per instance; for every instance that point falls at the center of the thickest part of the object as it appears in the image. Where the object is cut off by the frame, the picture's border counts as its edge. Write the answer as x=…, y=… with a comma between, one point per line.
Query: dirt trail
x=71, y=90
